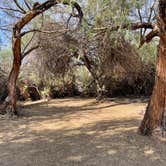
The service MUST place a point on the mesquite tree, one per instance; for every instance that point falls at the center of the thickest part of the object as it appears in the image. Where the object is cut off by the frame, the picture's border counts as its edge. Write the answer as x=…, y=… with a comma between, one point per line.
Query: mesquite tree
x=155, y=110
x=17, y=35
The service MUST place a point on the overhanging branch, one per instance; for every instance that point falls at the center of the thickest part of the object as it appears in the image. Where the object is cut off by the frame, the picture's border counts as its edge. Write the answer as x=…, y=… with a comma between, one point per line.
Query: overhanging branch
x=131, y=26
x=41, y=31
x=148, y=38
x=19, y=7
x=134, y=26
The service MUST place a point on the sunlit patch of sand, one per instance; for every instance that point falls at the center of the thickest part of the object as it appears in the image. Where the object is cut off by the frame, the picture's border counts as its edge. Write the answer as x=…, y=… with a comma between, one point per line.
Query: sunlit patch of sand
x=79, y=132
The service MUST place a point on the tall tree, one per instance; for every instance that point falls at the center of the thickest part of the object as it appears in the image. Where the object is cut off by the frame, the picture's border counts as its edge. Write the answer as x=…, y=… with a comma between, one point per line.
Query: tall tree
x=156, y=107
x=27, y=15
x=157, y=24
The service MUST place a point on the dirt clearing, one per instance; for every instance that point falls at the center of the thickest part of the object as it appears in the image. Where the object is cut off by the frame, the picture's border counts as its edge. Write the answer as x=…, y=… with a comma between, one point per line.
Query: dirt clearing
x=79, y=132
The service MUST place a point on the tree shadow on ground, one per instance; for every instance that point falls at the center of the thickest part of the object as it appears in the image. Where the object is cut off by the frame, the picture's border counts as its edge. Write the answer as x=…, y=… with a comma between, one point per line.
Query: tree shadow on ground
x=80, y=137
x=46, y=109
x=102, y=144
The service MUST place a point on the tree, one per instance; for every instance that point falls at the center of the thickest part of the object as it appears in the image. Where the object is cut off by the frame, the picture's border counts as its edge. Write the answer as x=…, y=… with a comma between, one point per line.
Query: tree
x=106, y=21
x=156, y=107
x=17, y=34
x=155, y=110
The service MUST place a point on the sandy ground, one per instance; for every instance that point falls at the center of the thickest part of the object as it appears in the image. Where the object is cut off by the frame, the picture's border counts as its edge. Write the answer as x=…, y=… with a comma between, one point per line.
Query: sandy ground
x=79, y=132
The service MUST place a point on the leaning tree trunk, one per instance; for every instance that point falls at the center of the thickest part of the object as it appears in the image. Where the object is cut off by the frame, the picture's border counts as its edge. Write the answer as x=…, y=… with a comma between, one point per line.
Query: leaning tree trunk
x=10, y=104
x=155, y=110
x=88, y=64
x=12, y=96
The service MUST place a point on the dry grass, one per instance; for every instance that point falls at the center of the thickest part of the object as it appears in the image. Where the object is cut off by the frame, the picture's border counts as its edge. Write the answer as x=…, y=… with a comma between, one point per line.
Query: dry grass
x=79, y=132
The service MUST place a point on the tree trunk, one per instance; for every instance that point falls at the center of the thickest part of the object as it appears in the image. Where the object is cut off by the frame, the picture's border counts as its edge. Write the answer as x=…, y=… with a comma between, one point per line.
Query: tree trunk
x=98, y=82
x=155, y=110
x=100, y=90
x=12, y=96
x=16, y=47
x=10, y=103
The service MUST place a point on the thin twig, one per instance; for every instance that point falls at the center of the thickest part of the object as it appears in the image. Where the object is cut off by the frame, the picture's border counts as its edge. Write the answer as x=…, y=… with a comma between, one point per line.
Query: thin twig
x=29, y=51
x=11, y=9
x=41, y=31
x=19, y=7
x=27, y=4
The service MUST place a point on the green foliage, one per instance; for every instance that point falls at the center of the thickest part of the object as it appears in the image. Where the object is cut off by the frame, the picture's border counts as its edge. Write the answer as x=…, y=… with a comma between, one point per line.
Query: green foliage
x=84, y=81
x=6, y=59
x=45, y=92
x=148, y=52
x=5, y=55
x=108, y=12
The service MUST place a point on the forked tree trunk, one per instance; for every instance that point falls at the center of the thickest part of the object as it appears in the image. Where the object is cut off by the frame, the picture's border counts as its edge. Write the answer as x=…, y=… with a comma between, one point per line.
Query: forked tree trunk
x=155, y=110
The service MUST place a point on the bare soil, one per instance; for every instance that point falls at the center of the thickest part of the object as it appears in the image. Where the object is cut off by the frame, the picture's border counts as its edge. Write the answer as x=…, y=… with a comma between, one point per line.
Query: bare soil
x=79, y=132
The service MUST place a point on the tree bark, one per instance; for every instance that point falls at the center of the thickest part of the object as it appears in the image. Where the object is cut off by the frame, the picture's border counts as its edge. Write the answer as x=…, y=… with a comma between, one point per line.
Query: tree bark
x=17, y=58
x=12, y=97
x=155, y=110
x=100, y=90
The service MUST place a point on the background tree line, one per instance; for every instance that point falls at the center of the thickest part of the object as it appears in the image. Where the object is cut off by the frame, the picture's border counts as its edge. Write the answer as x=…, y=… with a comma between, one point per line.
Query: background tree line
x=93, y=62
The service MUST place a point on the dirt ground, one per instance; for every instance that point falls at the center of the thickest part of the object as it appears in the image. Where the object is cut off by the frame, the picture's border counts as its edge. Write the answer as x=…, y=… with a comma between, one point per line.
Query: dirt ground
x=79, y=132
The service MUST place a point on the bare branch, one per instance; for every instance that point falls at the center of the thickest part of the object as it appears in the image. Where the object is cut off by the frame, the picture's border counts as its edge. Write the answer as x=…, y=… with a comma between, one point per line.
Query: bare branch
x=11, y=9
x=150, y=16
x=141, y=20
x=132, y=26
x=76, y=6
x=148, y=38
x=68, y=20
x=140, y=16
x=19, y=6
x=5, y=29
x=29, y=51
x=41, y=31
x=29, y=42
x=27, y=4
x=135, y=26
x=12, y=14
